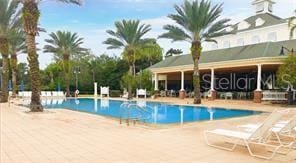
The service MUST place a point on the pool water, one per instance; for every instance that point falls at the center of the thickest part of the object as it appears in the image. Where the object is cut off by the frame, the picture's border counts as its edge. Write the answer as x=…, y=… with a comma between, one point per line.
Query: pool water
x=149, y=112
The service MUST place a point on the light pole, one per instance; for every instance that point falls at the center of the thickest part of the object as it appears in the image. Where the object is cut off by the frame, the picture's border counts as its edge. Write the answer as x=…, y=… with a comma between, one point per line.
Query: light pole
x=76, y=72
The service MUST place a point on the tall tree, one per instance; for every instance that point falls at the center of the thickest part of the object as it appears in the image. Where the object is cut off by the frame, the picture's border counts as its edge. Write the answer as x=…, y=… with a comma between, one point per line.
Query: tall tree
x=292, y=26
x=197, y=22
x=16, y=45
x=9, y=20
x=152, y=51
x=128, y=36
x=31, y=14
x=64, y=44
x=172, y=52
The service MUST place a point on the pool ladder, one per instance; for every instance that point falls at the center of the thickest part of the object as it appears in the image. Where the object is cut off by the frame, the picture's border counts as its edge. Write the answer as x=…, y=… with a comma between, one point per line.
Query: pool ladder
x=127, y=108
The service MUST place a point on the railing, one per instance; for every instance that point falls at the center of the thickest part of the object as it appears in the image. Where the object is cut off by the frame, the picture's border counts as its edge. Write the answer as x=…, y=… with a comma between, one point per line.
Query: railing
x=274, y=96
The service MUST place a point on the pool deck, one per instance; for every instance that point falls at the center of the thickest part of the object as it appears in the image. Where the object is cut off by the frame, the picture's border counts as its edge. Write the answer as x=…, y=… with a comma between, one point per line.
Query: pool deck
x=69, y=136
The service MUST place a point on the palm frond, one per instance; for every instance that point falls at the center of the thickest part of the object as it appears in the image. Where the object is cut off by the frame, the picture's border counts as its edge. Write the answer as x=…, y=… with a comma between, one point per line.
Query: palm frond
x=127, y=33
x=64, y=43
x=175, y=33
x=77, y=2
x=197, y=21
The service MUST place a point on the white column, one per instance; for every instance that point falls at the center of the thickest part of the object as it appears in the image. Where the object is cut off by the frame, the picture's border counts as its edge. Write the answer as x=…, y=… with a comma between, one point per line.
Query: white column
x=95, y=89
x=156, y=82
x=166, y=84
x=259, y=78
x=212, y=79
x=182, y=80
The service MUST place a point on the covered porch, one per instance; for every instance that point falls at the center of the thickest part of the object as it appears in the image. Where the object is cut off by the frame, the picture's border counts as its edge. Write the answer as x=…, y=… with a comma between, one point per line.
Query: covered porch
x=244, y=72
x=237, y=82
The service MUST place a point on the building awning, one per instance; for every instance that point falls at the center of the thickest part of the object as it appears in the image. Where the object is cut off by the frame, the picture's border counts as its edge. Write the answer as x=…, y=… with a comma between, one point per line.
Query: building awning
x=253, y=53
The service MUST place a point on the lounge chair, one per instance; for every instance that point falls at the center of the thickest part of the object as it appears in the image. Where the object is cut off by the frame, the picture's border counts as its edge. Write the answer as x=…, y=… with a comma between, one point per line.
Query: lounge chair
x=54, y=93
x=43, y=94
x=282, y=130
x=104, y=91
x=61, y=94
x=48, y=93
x=162, y=93
x=141, y=92
x=249, y=139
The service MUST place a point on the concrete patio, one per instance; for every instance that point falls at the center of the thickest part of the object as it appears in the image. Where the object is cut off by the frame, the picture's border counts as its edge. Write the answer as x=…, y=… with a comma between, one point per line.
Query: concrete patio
x=69, y=136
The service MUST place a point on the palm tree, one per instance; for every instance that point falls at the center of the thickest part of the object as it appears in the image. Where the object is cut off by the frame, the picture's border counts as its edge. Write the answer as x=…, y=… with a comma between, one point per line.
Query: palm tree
x=16, y=45
x=128, y=36
x=197, y=22
x=64, y=44
x=292, y=26
x=9, y=20
x=31, y=16
x=152, y=51
x=172, y=51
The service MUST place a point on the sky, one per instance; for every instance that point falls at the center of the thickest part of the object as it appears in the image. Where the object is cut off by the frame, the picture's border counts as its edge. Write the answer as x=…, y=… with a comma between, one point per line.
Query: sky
x=94, y=17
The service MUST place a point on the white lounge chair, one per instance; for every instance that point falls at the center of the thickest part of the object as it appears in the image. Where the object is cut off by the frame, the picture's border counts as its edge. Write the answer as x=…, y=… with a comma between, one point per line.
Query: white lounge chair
x=248, y=139
x=141, y=92
x=54, y=93
x=21, y=94
x=43, y=94
x=125, y=95
x=104, y=91
x=61, y=94
x=282, y=129
x=48, y=93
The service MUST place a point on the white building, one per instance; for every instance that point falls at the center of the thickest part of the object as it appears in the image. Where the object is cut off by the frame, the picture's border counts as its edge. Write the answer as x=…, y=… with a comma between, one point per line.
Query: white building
x=247, y=59
x=259, y=28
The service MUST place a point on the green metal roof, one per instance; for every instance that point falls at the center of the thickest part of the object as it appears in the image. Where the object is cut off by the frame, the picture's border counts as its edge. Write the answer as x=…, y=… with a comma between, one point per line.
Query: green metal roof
x=267, y=17
x=267, y=49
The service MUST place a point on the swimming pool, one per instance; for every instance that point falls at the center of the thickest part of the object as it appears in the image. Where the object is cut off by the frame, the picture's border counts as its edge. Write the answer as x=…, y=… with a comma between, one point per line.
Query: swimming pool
x=149, y=112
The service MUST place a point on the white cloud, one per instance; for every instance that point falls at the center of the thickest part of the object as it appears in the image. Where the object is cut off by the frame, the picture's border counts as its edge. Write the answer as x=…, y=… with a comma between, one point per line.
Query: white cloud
x=95, y=36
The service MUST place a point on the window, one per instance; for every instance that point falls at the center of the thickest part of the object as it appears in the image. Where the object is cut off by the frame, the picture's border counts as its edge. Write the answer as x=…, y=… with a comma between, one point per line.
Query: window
x=270, y=7
x=255, y=39
x=259, y=7
x=226, y=44
x=272, y=36
x=243, y=25
x=259, y=22
x=240, y=42
x=214, y=46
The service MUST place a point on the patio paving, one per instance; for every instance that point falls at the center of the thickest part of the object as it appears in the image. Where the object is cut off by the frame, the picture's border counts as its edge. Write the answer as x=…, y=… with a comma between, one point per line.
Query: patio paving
x=69, y=136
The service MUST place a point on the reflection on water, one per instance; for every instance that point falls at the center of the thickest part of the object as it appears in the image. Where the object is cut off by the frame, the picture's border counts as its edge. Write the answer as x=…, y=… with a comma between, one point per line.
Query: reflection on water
x=104, y=104
x=150, y=112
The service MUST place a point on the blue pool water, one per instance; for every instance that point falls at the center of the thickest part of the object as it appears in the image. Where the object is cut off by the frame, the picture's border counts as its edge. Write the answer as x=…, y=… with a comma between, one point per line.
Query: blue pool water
x=150, y=112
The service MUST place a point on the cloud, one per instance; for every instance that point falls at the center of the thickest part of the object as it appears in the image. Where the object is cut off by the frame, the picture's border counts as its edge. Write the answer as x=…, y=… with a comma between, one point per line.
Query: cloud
x=94, y=32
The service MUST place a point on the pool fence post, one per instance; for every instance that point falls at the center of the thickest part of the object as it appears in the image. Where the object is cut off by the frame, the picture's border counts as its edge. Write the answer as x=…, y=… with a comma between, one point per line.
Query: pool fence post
x=95, y=90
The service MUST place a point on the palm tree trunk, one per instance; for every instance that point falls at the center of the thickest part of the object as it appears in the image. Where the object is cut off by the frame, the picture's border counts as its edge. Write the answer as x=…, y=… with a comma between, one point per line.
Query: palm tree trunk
x=292, y=32
x=134, y=69
x=129, y=89
x=35, y=104
x=31, y=17
x=66, y=64
x=5, y=76
x=196, y=51
x=14, y=72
